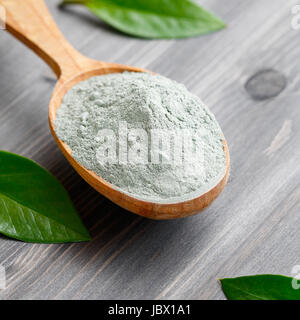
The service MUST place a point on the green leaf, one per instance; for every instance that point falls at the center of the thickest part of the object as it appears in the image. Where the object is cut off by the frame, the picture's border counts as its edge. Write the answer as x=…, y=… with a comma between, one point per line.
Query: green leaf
x=154, y=18
x=260, y=287
x=34, y=206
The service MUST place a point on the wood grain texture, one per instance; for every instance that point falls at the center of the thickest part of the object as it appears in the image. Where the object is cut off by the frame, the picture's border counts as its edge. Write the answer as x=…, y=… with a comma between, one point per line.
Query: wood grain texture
x=251, y=228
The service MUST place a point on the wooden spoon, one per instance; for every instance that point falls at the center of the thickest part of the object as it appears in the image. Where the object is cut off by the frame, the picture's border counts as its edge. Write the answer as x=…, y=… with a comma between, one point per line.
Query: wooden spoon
x=31, y=22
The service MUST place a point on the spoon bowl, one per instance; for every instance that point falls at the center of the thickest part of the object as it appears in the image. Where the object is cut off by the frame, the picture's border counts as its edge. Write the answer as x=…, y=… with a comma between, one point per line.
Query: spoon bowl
x=30, y=22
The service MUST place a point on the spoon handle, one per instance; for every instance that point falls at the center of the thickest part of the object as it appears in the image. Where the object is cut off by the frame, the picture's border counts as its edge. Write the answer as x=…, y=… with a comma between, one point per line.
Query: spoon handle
x=31, y=22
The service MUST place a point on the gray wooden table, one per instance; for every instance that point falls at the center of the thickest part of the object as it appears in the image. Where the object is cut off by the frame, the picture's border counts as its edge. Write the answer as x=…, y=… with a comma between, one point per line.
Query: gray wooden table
x=253, y=227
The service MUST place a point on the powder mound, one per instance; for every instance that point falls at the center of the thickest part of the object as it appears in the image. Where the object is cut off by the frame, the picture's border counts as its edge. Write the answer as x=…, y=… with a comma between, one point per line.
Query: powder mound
x=97, y=120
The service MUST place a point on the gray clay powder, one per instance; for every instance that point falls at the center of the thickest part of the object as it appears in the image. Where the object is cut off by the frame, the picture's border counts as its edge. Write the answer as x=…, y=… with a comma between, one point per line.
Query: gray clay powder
x=133, y=130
